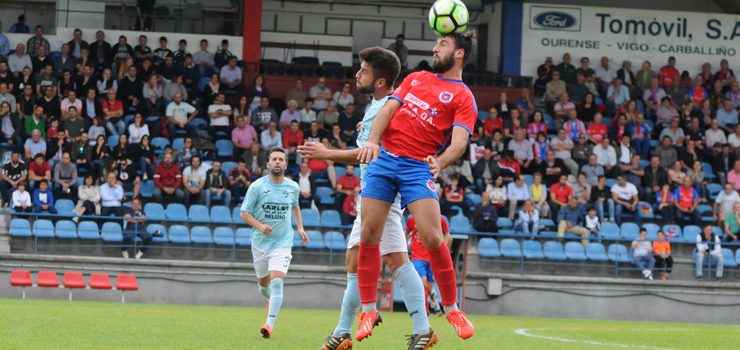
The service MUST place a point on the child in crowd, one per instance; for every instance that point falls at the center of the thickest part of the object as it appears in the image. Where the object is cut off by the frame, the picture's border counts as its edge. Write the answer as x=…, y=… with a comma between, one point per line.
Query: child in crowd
x=21, y=199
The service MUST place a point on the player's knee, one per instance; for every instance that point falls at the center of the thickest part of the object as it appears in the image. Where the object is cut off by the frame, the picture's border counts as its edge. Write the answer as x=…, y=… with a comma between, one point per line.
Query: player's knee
x=432, y=240
x=370, y=233
x=395, y=260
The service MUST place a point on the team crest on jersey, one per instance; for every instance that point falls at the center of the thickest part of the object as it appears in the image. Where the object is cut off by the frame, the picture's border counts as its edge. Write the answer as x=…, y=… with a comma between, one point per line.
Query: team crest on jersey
x=415, y=82
x=431, y=186
x=445, y=96
x=286, y=193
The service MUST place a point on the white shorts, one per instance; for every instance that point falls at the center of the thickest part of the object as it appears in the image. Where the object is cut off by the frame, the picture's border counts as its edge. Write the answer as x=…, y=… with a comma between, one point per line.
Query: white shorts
x=271, y=260
x=394, y=237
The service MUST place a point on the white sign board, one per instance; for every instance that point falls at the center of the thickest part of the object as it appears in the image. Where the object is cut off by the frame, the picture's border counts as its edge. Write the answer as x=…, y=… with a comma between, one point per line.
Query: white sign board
x=627, y=34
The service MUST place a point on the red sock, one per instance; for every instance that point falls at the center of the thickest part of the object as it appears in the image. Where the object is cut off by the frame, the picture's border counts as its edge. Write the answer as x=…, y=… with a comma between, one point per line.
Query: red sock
x=444, y=273
x=426, y=298
x=368, y=272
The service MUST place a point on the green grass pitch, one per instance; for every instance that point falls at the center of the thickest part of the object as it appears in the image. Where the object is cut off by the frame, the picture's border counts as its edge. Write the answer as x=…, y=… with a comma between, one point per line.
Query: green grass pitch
x=55, y=324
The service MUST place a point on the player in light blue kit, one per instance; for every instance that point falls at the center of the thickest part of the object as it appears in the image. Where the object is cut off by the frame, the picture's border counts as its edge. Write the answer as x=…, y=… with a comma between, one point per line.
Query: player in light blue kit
x=267, y=208
x=378, y=71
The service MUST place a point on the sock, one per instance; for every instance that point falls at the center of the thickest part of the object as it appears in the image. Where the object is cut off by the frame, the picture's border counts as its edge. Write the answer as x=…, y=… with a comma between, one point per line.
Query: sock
x=444, y=273
x=350, y=302
x=426, y=297
x=276, y=301
x=368, y=273
x=264, y=291
x=412, y=291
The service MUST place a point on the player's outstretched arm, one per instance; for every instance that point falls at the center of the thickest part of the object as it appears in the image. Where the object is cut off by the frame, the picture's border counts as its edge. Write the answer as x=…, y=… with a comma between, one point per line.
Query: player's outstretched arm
x=316, y=150
x=382, y=119
x=456, y=149
x=250, y=220
x=299, y=224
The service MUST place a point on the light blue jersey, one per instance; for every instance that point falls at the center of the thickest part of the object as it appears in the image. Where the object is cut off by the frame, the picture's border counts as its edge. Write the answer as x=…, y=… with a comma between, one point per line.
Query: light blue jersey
x=367, y=124
x=271, y=205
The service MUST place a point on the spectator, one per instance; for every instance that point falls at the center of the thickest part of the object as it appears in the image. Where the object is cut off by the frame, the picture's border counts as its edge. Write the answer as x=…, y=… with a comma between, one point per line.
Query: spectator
x=255, y=157
x=174, y=86
x=665, y=152
x=308, y=115
x=528, y=220
x=65, y=177
x=605, y=74
x=401, y=50
x=731, y=223
x=642, y=255
x=592, y=170
x=348, y=121
x=20, y=27
x=676, y=174
x=571, y=218
x=578, y=90
x=724, y=203
x=127, y=177
x=517, y=192
x=491, y=124
x=653, y=95
x=289, y=115
x=243, y=136
x=113, y=114
x=13, y=173
x=328, y=117
x=43, y=199
x=508, y=167
x=217, y=185
x=645, y=76
x=344, y=97
x=137, y=129
x=292, y=137
x=697, y=176
x=220, y=113
x=347, y=185
x=708, y=245
x=522, y=149
x=91, y=107
x=19, y=60
x=180, y=114
x=35, y=121
x=537, y=125
x=169, y=70
x=21, y=199
x=686, y=199
x=167, y=180
x=349, y=209
x=538, y=193
x=574, y=128
x=88, y=198
x=715, y=134
x=106, y=82
x=213, y=88
x=231, y=75
x=662, y=256
x=566, y=69
x=617, y=95
x=223, y=55
x=142, y=51
x=561, y=193
x=497, y=195
x=194, y=181
x=485, y=170
x=668, y=72
x=297, y=93
x=597, y=130
x=321, y=95
x=582, y=190
x=625, y=197
x=263, y=115
x=314, y=133
x=38, y=170
x=257, y=91
x=734, y=138
x=181, y=52
x=562, y=108
x=485, y=215
x=592, y=222
x=6, y=96
x=270, y=137
x=664, y=203
x=111, y=195
x=37, y=41
x=133, y=226
x=161, y=53
x=131, y=89
x=727, y=116
x=239, y=178
x=204, y=59
x=562, y=147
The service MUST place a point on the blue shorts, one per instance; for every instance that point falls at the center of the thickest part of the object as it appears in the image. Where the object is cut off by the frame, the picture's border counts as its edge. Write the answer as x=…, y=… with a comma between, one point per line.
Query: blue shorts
x=391, y=174
x=424, y=269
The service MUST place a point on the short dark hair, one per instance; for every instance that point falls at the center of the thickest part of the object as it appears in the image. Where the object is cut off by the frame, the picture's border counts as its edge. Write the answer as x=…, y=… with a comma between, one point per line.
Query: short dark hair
x=464, y=41
x=277, y=149
x=385, y=63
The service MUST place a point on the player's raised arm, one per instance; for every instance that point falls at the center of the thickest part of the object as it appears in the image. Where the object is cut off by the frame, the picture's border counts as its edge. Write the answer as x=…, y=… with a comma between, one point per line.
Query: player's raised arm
x=459, y=142
x=382, y=119
x=316, y=150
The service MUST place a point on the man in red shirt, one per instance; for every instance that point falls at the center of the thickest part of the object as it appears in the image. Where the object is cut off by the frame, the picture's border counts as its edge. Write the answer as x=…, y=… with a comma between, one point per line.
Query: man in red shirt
x=292, y=138
x=38, y=170
x=560, y=193
x=492, y=123
x=420, y=258
x=113, y=114
x=667, y=72
x=348, y=185
x=168, y=182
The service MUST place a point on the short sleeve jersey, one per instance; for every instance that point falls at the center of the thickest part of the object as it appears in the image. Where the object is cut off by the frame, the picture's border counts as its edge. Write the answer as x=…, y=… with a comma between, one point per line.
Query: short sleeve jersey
x=271, y=204
x=418, y=250
x=431, y=106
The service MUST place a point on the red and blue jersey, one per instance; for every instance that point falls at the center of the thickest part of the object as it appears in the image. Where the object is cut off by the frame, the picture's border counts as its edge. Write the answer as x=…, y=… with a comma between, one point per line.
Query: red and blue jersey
x=431, y=106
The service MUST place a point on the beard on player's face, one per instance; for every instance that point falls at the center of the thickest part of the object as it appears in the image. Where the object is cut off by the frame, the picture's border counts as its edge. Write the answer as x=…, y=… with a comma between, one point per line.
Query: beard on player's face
x=443, y=63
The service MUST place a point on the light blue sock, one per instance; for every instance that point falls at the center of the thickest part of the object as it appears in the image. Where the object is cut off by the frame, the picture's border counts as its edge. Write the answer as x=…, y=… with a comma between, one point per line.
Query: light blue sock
x=350, y=302
x=264, y=291
x=276, y=301
x=412, y=291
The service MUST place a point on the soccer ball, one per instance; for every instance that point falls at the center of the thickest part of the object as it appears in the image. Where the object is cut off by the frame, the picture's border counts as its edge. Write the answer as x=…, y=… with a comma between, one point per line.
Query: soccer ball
x=448, y=16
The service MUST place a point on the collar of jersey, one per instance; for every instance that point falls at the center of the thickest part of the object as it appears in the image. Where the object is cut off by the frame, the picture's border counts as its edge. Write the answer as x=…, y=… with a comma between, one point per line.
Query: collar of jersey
x=450, y=80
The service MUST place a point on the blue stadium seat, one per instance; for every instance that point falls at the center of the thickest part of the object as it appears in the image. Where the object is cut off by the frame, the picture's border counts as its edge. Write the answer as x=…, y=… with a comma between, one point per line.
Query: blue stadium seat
x=630, y=230
x=201, y=235
x=646, y=210
x=236, y=215
x=112, y=232
x=176, y=211
x=483, y=115
x=65, y=229
x=227, y=166
x=737, y=256
x=88, y=230
x=199, y=123
x=224, y=149
x=532, y=250
x=708, y=171
x=198, y=212
x=244, y=236
x=488, y=248
x=673, y=233
x=705, y=212
x=689, y=233
x=460, y=224
x=147, y=188
x=160, y=143
x=714, y=190
x=112, y=141
x=65, y=207
x=178, y=144
x=310, y=217
x=610, y=182
x=221, y=214
x=596, y=252
x=652, y=230
x=154, y=211
x=618, y=253
x=43, y=228
x=504, y=223
x=729, y=258
x=574, y=251
x=510, y=248
x=554, y=250
x=152, y=228
x=179, y=234
x=474, y=198
x=224, y=236
x=610, y=231
x=315, y=240
x=331, y=218
x=324, y=196
x=334, y=240
x=340, y=170
x=547, y=223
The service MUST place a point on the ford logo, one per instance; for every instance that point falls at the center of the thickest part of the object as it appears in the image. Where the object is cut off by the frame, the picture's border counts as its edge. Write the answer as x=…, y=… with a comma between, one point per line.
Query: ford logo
x=555, y=20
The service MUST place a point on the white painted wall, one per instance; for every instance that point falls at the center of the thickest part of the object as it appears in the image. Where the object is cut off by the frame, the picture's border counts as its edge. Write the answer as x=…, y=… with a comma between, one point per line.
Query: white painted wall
x=78, y=13
x=492, y=14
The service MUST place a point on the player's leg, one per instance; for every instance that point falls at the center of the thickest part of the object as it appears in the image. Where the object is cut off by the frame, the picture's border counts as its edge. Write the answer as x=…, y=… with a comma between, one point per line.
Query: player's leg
x=340, y=338
x=278, y=264
x=427, y=213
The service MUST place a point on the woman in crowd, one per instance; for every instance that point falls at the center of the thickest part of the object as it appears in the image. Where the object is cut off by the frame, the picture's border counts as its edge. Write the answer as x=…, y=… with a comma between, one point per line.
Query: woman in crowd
x=137, y=129
x=89, y=198
x=257, y=91
x=152, y=93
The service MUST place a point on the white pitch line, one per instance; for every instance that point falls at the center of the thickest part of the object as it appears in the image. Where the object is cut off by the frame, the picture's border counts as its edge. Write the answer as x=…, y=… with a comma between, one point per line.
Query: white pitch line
x=526, y=333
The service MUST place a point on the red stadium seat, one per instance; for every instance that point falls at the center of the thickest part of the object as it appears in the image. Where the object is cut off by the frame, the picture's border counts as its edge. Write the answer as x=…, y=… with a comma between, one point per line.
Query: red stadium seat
x=21, y=278
x=100, y=281
x=73, y=280
x=126, y=282
x=47, y=279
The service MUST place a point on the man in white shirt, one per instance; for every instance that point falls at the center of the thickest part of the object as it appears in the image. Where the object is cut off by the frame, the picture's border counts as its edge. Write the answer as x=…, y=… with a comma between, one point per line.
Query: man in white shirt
x=604, y=74
x=321, y=95
x=19, y=60
x=220, y=113
x=70, y=101
x=517, y=192
x=715, y=134
x=724, y=202
x=6, y=96
x=562, y=146
x=305, y=198
x=179, y=115
x=734, y=139
x=625, y=197
x=111, y=195
x=606, y=156
x=708, y=245
x=194, y=181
